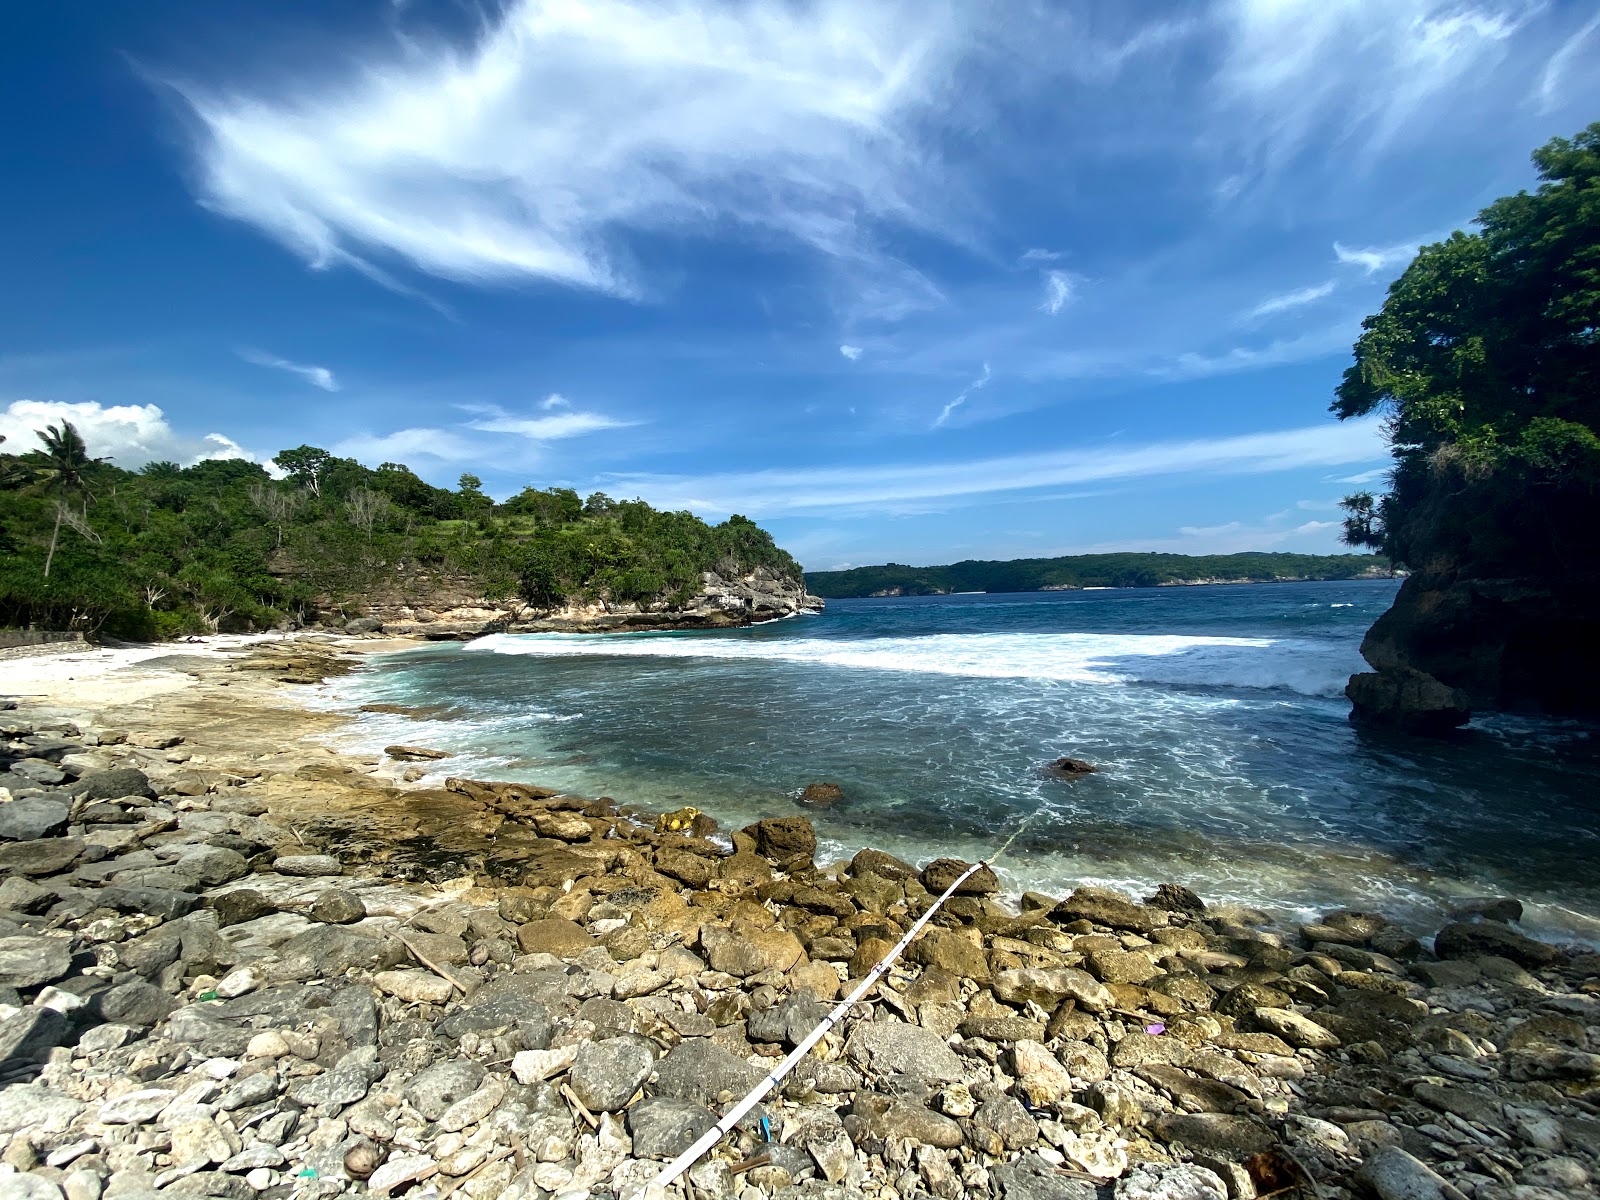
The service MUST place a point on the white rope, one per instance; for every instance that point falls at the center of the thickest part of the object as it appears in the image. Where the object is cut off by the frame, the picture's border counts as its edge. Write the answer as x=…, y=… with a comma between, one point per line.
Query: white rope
x=669, y=1174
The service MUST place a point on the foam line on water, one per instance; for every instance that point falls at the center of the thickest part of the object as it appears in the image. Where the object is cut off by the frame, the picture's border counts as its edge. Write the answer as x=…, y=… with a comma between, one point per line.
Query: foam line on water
x=1309, y=667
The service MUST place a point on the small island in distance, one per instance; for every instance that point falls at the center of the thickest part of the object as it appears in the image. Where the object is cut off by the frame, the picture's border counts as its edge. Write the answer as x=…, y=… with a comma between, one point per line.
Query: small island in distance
x=1075, y=571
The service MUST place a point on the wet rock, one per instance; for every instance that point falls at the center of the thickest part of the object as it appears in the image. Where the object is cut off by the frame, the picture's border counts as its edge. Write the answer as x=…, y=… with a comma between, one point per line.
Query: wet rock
x=1174, y=897
x=605, y=1075
x=1477, y=939
x=30, y=818
x=1102, y=906
x=338, y=906
x=890, y=1047
x=886, y=866
x=1071, y=768
x=1489, y=908
x=821, y=795
x=307, y=866
x=113, y=784
x=27, y=961
x=416, y=753
x=783, y=838
x=664, y=1127
x=942, y=872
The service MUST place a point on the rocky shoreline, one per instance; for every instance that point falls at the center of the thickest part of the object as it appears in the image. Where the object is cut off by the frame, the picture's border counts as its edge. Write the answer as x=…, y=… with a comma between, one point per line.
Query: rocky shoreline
x=235, y=964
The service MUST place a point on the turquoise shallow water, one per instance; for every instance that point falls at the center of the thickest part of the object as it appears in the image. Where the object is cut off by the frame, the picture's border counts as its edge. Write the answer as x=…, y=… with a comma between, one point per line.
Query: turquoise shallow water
x=1215, y=713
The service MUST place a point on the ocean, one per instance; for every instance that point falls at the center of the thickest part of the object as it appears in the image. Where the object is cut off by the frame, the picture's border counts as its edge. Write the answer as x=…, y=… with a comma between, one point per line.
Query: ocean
x=1215, y=715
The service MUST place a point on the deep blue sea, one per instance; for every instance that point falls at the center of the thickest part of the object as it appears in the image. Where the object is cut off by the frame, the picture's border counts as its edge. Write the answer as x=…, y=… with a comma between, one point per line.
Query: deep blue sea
x=1215, y=714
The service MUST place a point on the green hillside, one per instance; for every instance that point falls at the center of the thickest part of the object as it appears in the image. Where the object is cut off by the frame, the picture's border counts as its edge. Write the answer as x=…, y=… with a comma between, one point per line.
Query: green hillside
x=1089, y=570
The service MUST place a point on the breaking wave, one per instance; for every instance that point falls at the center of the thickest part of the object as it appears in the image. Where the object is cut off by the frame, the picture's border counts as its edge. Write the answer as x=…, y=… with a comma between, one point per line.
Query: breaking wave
x=1305, y=666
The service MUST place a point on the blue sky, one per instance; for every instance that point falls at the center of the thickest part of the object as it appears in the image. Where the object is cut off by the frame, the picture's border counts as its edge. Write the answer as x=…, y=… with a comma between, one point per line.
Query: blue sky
x=913, y=281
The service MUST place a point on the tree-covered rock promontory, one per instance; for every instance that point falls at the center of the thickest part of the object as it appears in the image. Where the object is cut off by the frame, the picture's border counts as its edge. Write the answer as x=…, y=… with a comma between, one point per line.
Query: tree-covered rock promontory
x=223, y=545
x=1485, y=359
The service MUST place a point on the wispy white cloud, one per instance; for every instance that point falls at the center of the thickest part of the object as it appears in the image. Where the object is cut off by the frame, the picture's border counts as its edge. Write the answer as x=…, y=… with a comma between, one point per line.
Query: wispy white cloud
x=550, y=428
x=1363, y=69
x=316, y=376
x=1058, y=289
x=476, y=164
x=851, y=352
x=128, y=434
x=982, y=381
x=553, y=401
x=408, y=445
x=1298, y=298
x=1372, y=476
x=776, y=493
x=1037, y=255
x=1547, y=96
x=1375, y=258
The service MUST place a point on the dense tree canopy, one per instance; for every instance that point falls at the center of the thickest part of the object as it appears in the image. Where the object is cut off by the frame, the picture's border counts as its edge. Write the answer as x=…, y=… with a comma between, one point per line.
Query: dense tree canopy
x=1486, y=359
x=221, y=544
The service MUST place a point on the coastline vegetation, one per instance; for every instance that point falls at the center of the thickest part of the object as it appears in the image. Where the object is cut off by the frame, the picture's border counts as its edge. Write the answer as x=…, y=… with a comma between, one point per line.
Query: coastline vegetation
x=1486, y=359
x=1090, y=570
x=167, y=550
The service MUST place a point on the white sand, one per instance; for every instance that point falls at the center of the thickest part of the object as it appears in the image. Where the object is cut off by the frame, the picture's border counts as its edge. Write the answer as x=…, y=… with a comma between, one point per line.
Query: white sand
x=96, y=677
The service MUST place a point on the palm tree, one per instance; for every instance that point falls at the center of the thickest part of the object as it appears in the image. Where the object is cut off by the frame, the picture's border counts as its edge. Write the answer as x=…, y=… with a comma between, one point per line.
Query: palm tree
x=66, y=460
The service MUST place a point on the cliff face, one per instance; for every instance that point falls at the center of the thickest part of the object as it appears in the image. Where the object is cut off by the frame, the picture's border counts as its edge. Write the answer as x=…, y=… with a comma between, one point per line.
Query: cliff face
x=452, y=607
x=1453, y=644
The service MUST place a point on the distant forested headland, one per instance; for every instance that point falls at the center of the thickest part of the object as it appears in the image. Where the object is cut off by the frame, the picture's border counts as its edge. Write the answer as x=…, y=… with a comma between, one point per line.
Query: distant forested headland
x=1091, y=570
x=222, y=544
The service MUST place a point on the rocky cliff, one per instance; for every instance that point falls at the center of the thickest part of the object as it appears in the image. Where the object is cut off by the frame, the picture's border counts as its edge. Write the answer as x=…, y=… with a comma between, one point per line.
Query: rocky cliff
x=453, y=607
x=1452, y=644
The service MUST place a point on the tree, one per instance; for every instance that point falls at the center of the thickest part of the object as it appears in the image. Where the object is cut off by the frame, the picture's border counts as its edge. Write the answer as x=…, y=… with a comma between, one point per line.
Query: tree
x=66, y=458
x=366, y=508
x=306, y=465
x=1486, y=359
x=276, y=505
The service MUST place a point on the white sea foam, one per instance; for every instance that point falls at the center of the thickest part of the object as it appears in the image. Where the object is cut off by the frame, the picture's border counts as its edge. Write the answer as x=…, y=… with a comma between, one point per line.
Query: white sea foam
x=1312, y=668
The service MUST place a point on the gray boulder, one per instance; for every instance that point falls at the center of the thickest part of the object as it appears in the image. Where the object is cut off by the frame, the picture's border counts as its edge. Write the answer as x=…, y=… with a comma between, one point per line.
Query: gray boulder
x=27, y=961
x=441, y=1085
x=662, y=1127
x=700, y=1070
x=892, y=1047
x=112, y=784
x=33, y=817
x=605, y=1075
